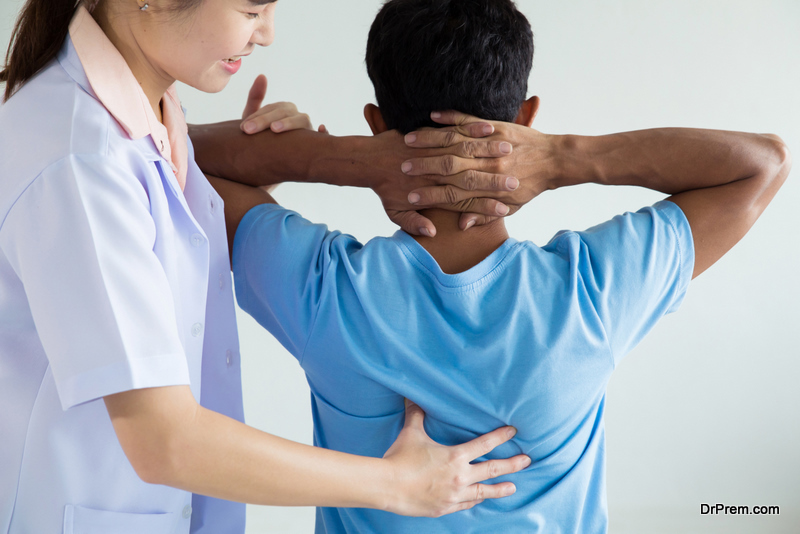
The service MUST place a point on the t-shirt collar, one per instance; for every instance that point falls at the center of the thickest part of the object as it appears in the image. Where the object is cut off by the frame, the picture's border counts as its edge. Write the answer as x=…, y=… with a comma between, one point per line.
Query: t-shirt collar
x=118, y=90
x=490, y=265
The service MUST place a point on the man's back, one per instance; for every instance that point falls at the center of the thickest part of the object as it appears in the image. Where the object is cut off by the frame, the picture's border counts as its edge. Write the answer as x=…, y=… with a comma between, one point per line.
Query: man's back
x=528, y=337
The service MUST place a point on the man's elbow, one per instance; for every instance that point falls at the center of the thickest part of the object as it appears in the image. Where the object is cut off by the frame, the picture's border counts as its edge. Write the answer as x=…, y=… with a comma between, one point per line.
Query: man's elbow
x=775, y=164
x=780, y=164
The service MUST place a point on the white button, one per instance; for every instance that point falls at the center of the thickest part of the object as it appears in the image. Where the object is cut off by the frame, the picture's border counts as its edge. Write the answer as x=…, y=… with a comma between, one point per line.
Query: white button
x=187, y=512
x=229, y=357
x=197, y=240
x=196, y=329
x=222, y=281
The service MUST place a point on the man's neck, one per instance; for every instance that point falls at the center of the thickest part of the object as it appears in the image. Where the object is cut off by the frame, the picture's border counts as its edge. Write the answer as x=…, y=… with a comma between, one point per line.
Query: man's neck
x=456, y=250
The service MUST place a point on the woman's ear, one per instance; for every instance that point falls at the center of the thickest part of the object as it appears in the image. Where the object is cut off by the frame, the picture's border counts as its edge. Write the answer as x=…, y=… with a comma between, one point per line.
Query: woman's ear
x=528, y=111
x=375, y=119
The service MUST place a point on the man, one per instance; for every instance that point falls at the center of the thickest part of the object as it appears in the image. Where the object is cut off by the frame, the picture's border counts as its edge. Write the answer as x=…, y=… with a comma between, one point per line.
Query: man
x=479, y=329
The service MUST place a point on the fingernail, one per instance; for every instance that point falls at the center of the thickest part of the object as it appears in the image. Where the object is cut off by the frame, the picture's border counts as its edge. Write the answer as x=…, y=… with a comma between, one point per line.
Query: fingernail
x=424, y=231
x=487, y=129
x=526, y=461
x=436, y=115
x=410, y=138
x=469, y=225
x=413, y=198
x=502, y=209
x=406, y=167
x=511, y=432
x=250, y=127
x=512, y=183
x=278, y=126
x=505, y=148
x=510, y=491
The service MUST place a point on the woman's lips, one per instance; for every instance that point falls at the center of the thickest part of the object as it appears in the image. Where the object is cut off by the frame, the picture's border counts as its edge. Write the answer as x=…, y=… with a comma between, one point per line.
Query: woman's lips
x=232, y=66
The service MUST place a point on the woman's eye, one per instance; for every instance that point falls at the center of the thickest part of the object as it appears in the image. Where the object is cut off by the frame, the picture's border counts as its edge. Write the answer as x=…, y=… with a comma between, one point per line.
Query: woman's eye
x=252, y=15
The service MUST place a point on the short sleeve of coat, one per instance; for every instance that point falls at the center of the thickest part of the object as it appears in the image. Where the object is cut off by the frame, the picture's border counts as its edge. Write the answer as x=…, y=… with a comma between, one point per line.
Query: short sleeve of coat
x=81, y=240
x=634, y=269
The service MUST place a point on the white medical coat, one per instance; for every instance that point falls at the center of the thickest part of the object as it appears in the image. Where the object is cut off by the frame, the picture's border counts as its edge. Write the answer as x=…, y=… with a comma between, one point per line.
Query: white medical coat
x=111, y=279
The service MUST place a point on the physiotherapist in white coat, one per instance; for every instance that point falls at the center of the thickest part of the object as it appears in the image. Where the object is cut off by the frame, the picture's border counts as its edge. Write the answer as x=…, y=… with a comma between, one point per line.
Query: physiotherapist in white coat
x=120, y=389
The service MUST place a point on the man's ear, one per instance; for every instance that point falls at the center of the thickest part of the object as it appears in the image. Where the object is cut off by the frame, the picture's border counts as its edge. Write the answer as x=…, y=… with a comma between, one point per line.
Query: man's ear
x=528, y=111
x=375, y=119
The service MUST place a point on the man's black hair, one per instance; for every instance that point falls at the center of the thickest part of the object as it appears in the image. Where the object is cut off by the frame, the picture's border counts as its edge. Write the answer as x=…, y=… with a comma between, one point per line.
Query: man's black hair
x=473, y=56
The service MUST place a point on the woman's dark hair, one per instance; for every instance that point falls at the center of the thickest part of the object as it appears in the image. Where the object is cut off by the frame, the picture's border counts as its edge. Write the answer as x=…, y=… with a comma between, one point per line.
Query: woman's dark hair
x=38, y=35
x=473, y=56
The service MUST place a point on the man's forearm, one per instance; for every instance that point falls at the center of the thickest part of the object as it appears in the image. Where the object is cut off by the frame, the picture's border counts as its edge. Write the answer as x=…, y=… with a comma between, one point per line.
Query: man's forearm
x=670, y=160
x=267, y=158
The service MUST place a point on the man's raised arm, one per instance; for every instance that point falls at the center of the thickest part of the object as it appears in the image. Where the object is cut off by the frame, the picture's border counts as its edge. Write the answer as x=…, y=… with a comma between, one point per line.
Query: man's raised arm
x=721, y=180
x=267, y=158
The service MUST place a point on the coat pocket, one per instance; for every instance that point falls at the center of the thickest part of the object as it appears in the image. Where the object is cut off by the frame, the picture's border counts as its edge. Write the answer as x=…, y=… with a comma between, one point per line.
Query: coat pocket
x=80, y=520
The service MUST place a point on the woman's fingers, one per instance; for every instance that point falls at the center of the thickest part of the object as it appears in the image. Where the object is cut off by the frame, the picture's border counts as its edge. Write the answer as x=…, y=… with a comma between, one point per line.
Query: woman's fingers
x=299, y=121
x=483, y=445
x=433, y=480
x=481, y=492
x=415, y=417
x=256, y=96
x=495, y=468
x=263, y=118
x=459, y=507
x=269, y=108
x=281, y=118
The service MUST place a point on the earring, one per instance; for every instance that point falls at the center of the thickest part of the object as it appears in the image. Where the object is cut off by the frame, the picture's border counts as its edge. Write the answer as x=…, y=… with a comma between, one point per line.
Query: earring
x=144, y=7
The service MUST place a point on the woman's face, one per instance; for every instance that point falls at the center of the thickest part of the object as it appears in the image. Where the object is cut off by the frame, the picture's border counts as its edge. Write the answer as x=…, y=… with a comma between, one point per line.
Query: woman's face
x=204, y=47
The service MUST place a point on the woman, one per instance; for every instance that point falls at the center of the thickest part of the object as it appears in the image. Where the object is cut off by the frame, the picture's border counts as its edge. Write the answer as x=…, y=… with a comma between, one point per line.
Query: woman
x=115, y=286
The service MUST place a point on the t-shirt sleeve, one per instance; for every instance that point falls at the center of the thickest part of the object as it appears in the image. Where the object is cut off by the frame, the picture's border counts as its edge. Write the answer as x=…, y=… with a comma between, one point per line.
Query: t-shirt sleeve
x=81, y=239
x=634, y=269
x=281, y=263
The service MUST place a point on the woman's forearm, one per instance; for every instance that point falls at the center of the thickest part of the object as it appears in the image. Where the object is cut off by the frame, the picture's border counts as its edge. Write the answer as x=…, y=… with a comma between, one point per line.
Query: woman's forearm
x=170, y=440
x=229, y=460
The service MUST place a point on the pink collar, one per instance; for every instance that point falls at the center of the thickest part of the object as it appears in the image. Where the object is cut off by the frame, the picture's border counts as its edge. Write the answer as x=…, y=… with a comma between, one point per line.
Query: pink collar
x=120, y=92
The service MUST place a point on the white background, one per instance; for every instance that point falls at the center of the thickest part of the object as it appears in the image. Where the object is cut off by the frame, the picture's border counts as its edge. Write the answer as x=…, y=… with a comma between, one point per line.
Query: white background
x=707, y=408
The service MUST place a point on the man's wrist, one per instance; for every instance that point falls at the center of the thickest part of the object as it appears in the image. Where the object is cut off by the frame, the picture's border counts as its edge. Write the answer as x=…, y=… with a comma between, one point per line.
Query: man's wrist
x=567, y=165
x=343, y=161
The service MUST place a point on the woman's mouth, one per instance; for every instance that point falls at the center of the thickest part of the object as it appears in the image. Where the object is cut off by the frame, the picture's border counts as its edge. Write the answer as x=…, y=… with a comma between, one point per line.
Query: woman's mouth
x=232, y=64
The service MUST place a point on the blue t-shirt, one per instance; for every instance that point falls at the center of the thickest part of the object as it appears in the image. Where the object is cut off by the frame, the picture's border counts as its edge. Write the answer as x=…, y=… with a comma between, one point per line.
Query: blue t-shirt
x=528, y=337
